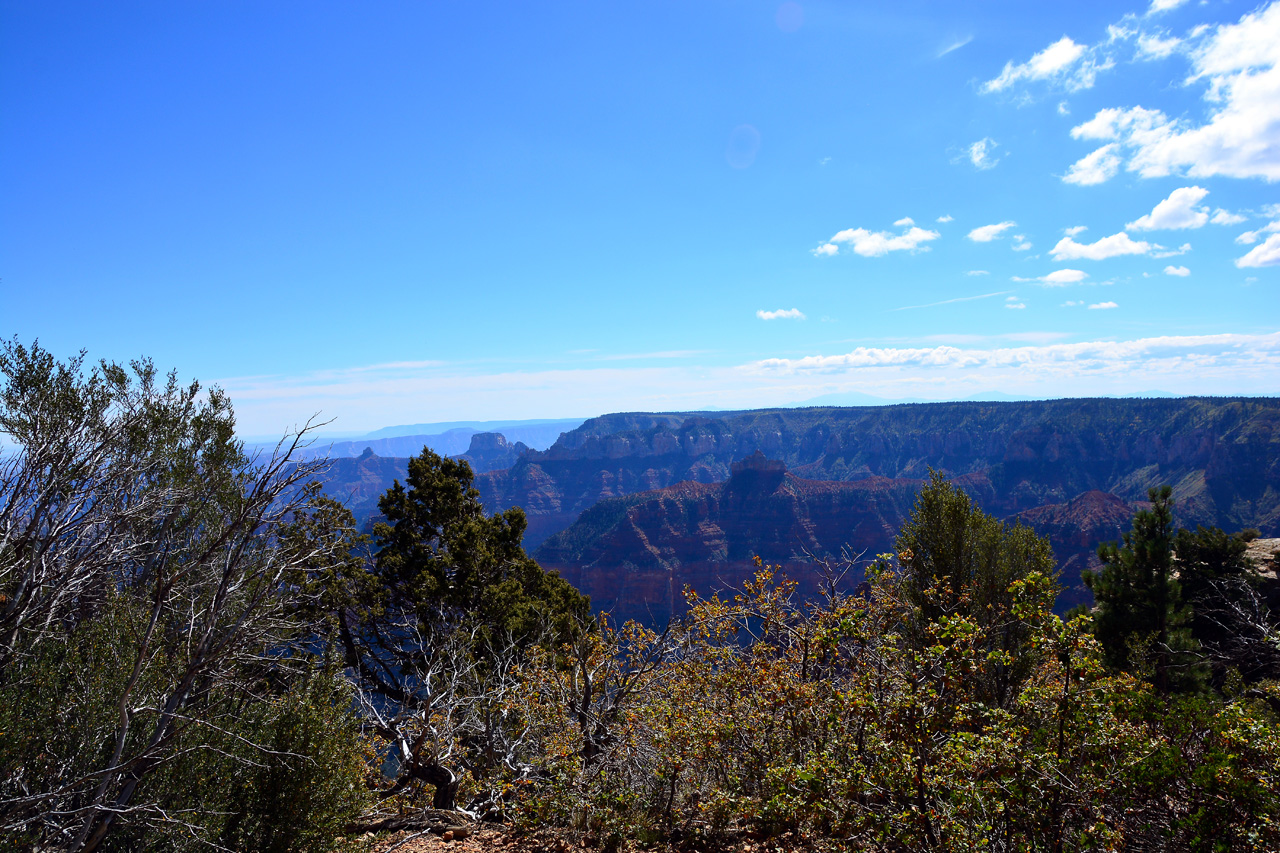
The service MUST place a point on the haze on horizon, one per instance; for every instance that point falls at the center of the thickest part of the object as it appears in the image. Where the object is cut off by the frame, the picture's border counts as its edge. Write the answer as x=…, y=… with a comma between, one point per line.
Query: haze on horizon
x=407, y=213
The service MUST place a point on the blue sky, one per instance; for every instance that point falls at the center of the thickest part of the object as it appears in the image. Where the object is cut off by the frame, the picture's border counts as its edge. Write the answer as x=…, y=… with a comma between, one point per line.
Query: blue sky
x=408, y=212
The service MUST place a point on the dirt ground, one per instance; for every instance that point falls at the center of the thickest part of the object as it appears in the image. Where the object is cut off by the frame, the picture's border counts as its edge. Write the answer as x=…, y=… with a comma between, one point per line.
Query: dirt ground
x=484, y=840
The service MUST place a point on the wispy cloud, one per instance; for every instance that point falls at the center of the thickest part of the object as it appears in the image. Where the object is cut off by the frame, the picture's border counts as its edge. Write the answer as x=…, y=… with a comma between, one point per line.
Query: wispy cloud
x=1098, y=356
x=1103, y=306
x=950, y=301
x=954, y=43
x=661, y=354
x=367, y=397
x=987, y=233
x=982, y=153
x=1064, y=63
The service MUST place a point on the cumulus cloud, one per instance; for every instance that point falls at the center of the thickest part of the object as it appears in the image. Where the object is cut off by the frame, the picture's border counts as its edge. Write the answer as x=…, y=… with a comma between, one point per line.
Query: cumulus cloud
x=1102, y=306
x=1226, y=217
x=982, y=153
x=1266, y=254
x=1181, y=272
x=1180, y=210
x=945, y=219
x=1021, y=243
x=873, y=244
x=781, y=314
x=1075, y=229
x=1057, y=278
x=1096, y=168
x=1063, y=63
x=1107, y=247
x=1239, y=65
x=1158, y=6
x=1177, y=352
x=987, y=233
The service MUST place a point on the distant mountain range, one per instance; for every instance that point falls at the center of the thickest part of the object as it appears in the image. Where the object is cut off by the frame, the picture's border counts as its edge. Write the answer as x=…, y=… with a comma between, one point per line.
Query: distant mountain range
x=450, y=438
x=654, y=493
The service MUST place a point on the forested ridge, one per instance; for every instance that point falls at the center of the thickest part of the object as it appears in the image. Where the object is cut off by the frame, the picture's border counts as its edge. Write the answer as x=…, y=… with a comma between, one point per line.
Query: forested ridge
x=198, y=650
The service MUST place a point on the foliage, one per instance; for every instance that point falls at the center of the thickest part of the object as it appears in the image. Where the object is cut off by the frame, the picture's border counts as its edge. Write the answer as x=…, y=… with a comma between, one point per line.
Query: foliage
x=871, y=718
x=196, y=651
x=152, y=591
x=435, y=625
x=1141, y=617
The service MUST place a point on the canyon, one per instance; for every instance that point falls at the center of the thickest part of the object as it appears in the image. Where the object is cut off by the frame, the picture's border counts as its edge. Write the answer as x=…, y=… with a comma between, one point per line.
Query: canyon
x=633, y=506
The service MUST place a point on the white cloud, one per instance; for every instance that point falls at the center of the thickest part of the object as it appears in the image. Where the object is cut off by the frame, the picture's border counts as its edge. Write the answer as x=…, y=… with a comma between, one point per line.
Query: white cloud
x=1102, y=306
x=1265, y=255
x=873, y=244
x=1226, y=217
x=1095, y=168
x=1070, y=303
x=1107, y=247
x=1248, y=238
x=953, y=300
x=1172, y=253
x=1022, y=243
x=1179, y=210
x=906, y=220
x=1240, y=66
x=945, y=219
x=1155, y=47
x=1057, y=278
x=987, y=233
x=1181, y=272
x=1174, y=353
x=1062, y=63
x=1075, y=229
x=1164, y=6
x=781, y=314
x=977, y=272
x=981, y=153
x=1014, y=303
x=1064, y=109
x=954, y=43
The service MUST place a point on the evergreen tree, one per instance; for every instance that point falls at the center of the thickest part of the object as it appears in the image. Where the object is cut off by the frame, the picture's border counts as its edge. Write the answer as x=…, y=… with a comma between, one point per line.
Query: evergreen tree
x=959, y=561
x=1140, y=616
x=436, y=625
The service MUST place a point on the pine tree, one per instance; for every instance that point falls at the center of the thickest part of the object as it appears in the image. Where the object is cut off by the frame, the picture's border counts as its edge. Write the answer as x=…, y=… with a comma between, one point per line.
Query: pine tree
x=1140, y=617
